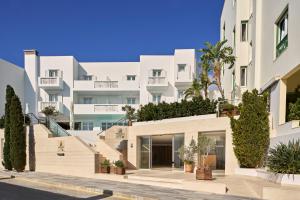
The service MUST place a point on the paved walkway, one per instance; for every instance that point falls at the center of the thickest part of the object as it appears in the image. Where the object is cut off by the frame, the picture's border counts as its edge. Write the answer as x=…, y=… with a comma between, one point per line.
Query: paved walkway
x=120, y=188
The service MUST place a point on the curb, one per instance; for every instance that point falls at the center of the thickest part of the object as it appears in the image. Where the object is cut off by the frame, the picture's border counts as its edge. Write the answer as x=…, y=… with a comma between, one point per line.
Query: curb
x=84, y=189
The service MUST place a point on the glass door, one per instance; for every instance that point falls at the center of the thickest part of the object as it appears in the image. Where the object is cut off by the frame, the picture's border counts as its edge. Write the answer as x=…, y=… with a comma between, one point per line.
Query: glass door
x=145, y=156
x=178, y=141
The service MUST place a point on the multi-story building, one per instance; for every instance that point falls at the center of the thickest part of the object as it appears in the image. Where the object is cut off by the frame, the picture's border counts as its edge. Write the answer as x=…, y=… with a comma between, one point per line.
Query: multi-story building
x=265, y=37
x=92, y=94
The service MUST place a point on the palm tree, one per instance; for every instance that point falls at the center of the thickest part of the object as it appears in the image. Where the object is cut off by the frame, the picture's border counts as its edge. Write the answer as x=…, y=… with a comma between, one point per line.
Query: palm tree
x=204, y=77
x=217, y=56
x=130, y=115
x=194, y=90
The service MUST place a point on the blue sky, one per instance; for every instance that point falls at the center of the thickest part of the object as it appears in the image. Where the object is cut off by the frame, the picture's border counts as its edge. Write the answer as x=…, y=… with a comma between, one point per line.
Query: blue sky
x=105, y=30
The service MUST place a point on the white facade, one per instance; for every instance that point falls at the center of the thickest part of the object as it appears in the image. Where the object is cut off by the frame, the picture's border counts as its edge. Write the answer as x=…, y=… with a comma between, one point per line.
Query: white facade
x=98, y=90
x=268, y=48
x=12, y=75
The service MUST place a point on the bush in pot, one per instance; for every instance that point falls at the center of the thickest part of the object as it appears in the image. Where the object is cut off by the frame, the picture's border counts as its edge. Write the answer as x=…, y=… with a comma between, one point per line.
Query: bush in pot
x=285, y=159
x=119, y=167
x=105, y=166
x=204, y=146
x=186, y=154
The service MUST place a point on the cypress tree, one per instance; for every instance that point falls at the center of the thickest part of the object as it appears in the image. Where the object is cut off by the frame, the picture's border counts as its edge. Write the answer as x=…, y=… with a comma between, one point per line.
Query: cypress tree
x=17, y=135
x=250, y=131
x=6, y=150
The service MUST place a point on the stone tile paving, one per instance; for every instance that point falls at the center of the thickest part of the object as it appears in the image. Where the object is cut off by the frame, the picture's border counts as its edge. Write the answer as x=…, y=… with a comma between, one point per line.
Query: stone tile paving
x=127, y=188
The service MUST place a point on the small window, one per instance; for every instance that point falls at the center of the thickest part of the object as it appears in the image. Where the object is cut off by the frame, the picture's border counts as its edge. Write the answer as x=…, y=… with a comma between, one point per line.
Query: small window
x=130, y=100
x=244, y=31
x=282, y=33
x=87, y=77
x=53, y=97
x=156, y=98
x=130, y=77
x=243, y=76
x=156, y=73
x=53, y=73
x=87, y=100
x=87, y=126
x=77, y=125
x=181, y=67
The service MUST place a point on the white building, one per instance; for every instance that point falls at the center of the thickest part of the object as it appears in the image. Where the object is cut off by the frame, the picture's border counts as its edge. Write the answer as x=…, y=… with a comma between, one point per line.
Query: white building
x=265, y=38
x=97, y=90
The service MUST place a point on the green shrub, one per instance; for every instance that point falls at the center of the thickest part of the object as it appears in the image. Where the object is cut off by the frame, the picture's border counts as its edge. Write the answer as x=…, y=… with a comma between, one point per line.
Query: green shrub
x=2, y=122
x=49, y=110
x=285, y=159
x=197, y=106
x=250, y=131
x=119, y=163
x=17, y=135
x=294, y=110
x=105, y=163
x=187, y=153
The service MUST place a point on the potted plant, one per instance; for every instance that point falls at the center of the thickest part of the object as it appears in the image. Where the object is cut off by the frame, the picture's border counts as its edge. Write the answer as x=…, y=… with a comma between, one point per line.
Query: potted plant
x=186, y=154
x=105, y=166
x=119, y=167
x=204, y=172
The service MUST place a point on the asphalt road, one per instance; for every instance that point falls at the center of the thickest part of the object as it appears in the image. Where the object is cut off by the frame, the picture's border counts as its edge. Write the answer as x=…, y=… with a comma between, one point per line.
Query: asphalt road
x=11, y=189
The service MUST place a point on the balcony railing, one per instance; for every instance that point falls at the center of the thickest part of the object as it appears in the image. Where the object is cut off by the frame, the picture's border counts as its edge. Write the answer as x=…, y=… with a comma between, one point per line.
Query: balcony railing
x=50, y=82
x=157, y=80
x=44, y=104
x=107, y=108
x=106, y=84
x=83, y=109
x=281, y=46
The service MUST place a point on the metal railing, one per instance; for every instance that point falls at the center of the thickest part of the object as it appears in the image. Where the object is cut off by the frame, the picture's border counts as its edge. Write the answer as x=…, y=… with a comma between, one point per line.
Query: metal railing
x=106, y=84
x=282, y=45
x=55, y=128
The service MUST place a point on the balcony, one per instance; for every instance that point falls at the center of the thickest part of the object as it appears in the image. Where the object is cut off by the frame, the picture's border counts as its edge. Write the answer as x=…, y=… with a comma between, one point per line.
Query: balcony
x=90, y=109
x=184, y=80
x=159, y=82
x=50, y=83
x=92, y=85
x=57, y=105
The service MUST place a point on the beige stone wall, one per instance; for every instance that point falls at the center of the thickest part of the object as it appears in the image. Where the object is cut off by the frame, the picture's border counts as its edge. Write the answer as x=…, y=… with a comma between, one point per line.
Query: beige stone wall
x=190, y=126
x=78, y=158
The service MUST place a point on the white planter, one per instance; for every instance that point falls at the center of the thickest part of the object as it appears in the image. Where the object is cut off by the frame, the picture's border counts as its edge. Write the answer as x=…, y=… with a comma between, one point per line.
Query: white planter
x=246, y=171
x=282, y=179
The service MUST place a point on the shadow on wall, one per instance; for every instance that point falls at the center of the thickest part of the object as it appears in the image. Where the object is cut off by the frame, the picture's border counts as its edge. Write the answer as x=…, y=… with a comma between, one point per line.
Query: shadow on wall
x=31, y=148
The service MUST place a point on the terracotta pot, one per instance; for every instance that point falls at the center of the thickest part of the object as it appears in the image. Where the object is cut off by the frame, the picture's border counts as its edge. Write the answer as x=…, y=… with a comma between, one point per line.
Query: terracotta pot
x=105, y=169
x=119, y=170
x=188, y=167
x=204, y=173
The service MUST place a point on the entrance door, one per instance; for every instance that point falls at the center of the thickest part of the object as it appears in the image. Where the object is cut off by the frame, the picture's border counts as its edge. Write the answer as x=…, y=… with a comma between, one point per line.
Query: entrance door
x=145, y=156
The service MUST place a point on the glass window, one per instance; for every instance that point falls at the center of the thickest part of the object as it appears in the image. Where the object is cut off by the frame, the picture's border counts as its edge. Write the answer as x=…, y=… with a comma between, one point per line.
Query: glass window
x=77, y=125
x=87, y=126
x=130, y=100
x=103, y=126
x=243, y=76
x=156, y=72
x=130, y=77
x=282, y=33
x=87, y=100
x=181, y=67
x=156, y=98
x=87, y=77
x=53, y=73
x=53, y=97
x=244, y=31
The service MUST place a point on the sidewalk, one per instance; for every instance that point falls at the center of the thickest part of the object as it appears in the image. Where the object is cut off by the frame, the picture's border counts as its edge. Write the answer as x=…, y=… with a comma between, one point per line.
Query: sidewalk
x=118, y=189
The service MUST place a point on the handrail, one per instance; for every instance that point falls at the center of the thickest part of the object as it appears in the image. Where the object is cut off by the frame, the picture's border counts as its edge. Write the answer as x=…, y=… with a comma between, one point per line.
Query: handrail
x=55, y=128
x=32, y=117
x=116, y=122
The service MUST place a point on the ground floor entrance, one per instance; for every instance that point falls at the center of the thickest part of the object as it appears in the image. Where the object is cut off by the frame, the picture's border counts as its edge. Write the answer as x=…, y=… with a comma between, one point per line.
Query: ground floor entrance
x=160, y=151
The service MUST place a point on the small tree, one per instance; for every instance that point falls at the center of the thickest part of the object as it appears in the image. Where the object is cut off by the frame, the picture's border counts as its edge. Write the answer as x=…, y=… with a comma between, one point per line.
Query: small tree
x=294, y=110
x=251, y=130
x=130, y=115
x=204, y=146
x=17, y=137
x=187, y=153
x=6, y=150
x=49, y=110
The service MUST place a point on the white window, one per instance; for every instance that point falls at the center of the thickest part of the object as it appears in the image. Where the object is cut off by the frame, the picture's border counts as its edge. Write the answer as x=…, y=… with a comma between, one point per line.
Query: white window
x=156, y=72
x=244, y=31
x=130, y=77
x=53, y=73
x=130, y=100
x=87, y=100
x=282, y=33
x=243, y=76
x=156, y=98
x=53, y=97
x=87, y=77
x=87, y=126
x=181, y=67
